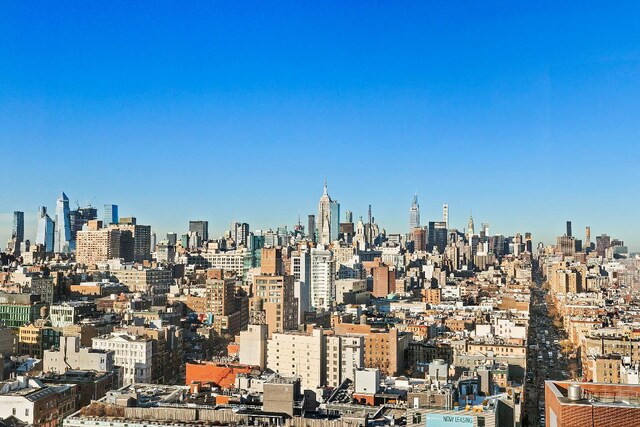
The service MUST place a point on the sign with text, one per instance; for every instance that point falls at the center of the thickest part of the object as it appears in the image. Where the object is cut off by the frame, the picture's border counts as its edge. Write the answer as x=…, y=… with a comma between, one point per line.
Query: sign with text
x=440, y=420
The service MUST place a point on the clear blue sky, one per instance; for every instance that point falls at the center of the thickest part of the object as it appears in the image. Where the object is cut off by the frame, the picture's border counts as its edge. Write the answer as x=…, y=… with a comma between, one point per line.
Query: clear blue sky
x=526, y=114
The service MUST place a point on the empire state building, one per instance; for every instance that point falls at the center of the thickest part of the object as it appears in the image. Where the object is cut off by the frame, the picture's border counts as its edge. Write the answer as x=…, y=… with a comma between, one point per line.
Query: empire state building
x=414, y=214
x=328, y=219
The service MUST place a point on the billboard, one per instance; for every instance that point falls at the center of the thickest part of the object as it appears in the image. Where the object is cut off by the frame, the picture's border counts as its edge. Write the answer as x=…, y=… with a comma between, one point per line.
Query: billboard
x=440, y=420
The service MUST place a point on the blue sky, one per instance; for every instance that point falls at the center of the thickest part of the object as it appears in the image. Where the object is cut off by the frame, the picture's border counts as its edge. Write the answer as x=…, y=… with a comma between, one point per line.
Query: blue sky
x=524, y=114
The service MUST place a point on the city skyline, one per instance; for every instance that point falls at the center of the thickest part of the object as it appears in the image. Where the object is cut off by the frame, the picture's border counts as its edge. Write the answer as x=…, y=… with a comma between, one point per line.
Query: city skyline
x=428, y=212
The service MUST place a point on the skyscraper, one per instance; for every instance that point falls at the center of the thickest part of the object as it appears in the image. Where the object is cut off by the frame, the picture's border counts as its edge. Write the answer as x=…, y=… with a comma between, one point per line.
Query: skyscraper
x=328, y=221
x=335, y=220
x=569, y=229
x=240, y=233
x=17, y=233
x=63, y=242
x=414, y=214
x=172, y=238
x=470, y=228
x=110, y=215
x=437, y=236
x=348, y=216
x=312, y=227
x=445, y=215
x=18, y=226
x=200, y=227
x=45, y=233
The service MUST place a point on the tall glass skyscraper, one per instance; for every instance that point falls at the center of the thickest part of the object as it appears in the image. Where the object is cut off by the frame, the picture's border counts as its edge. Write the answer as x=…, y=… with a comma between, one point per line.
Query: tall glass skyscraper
x=110, y=214
x=335, y=220
x=63, y=242
x=45, y=234
x=17, y=232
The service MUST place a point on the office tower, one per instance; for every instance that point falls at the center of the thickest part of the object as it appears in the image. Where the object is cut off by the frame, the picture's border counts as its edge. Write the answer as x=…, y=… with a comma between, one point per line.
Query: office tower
x=569, y=228
x=437, y=236
x=587, y=243
x=141, y=239
x=335, y=220
x=323, y=279
x=240, y=233
x=63, y=242
x=528, y=241
x=256, y=243
x=172, y=239
x=470, y=227
x=17, y=232
x=45, y=234
x=419, y=237
x=348, y=216
x=184, y=241
x=328, y=219
x=97, y=244
x=110, y=215
x=603, y=243
x=414, y=214
x=484, y=232
x=499, y=245
x=200, y=227
x=445, y=215
x=154, y=242
x=311, y=227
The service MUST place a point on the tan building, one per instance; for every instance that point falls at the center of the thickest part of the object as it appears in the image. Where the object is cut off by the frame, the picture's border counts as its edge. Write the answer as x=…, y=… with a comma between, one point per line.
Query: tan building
x=604, y=369
x=97, y=245
x=299, y=354
x=35, y=337
x=271, y=262
x=145, y=280
x=277, y=301
x=229, y=311
x=432, y=296
x=383, y=349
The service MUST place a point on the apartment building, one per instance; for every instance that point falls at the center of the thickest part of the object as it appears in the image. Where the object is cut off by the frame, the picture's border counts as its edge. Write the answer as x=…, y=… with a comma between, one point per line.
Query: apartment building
x=299, y=354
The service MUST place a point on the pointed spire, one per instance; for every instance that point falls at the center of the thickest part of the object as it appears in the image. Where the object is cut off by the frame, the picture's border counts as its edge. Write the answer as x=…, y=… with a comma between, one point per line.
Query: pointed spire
x=325, y=186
